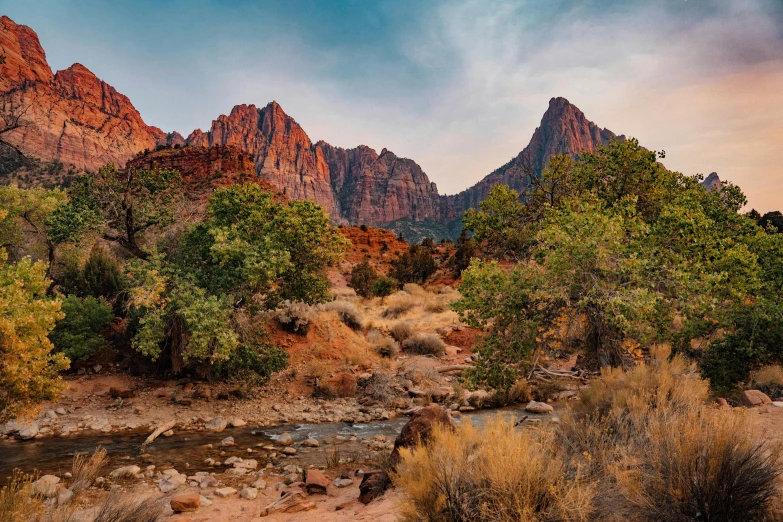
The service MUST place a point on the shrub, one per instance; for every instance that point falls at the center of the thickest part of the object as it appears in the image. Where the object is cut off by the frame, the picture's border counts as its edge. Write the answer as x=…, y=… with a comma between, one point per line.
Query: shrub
x=425, y=343
x=295, y=316
x=384, y=346
x=79, y=335
x=347, y=312
x=101, y=277
x=769, y=379
x=414, y=266
x=253, y=362
x=402, y=330
x=496, y=473
x=383, y=287
x=131, y=508
x=400, y=303
x=380, y=387
x=363, y=276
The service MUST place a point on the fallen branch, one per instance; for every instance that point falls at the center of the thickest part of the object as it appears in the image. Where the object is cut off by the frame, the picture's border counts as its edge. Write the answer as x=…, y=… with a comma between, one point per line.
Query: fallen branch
x=160, y=429
x=453, y=368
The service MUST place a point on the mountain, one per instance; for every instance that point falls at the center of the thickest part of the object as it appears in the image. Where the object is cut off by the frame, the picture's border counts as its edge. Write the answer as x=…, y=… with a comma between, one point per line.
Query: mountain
x=73, y=120
x=70, y=117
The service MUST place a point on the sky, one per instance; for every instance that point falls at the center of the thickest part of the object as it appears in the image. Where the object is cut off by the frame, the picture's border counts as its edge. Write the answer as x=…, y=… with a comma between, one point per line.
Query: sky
x=458, y=86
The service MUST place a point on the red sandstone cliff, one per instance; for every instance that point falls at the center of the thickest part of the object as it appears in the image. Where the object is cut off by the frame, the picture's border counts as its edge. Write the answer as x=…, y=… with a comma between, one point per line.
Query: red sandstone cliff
x=70, y=117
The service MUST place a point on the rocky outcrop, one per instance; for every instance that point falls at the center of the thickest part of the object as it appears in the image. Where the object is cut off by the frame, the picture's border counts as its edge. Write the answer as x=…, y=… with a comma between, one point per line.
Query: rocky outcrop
x=564, y=129
x=712, y=182
x=71, y=117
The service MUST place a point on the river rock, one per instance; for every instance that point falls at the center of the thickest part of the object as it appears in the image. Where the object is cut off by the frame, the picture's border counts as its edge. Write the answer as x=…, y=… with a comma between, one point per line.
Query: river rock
x=64, y=496
x=171, y=483
x=236, y=471
x=249, y=493
x=228, y=441
x=373, y=485
x=225, y=492
x=217, y=424
x=185, y=502
x=46, y=486
x=316, y=481
x=237, y=422
x=285, y=439
x=259, y=484
x=418, y=429
x=100, y=425
x=11, y=427
x=311, y=443
x=122, y=392
x=204, y=501
x=60, y=411
x=208, y=482
x=246, y=464
x=125, y=471
x=28, y=432
x=539, y=407
x=50, y=414
x=478, y=398
x=342, y=482
x=753, y=398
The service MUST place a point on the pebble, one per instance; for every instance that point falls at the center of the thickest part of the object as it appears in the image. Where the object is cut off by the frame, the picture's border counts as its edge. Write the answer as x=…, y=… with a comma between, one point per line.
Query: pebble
x=288, y=450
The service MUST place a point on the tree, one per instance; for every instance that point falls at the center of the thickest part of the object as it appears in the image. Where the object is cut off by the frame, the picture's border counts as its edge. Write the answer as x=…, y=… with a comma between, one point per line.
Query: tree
x=23, y=229
x=624, y=248
x=250, y=253
x=466, y=250
x=414, y=266
x=28, y=368
x=384, y=286
x=363, y=276
x=79, y=335
x=119, y=205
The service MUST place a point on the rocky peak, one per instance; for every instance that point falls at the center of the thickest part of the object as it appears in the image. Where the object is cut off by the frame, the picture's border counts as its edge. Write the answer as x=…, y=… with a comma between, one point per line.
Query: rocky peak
x=712, y=182
x=25, y=59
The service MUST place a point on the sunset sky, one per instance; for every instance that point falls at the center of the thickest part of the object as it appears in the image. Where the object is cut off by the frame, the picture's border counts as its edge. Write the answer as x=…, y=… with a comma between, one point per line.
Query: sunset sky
x=458, y=86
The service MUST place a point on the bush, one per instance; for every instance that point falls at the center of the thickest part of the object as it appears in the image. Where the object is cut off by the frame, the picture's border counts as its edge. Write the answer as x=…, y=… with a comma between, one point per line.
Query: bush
x=496, y=473
x=384, y=346
x=79, y=335
x=363, y=276
x=402, y=330
x=425, y=343
x=383, y=287
x=414, y=266
x=253, y=362
x=296, y=316
x=101, y=277
x=347, y=312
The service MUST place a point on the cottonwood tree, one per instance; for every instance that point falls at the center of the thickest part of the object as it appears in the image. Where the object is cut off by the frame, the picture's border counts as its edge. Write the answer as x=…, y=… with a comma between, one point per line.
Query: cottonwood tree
x=120, y=205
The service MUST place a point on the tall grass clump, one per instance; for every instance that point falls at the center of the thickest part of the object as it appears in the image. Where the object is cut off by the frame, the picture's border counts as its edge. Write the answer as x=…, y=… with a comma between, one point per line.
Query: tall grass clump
x=769, y=379
x=402, y=330
x=85, y=468
x=496, y=473
x=131, y=508
x=425, y=344
x=347, y=312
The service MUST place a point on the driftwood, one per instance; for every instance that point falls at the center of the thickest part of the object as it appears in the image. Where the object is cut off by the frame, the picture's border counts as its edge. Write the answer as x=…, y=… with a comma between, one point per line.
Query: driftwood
x=160, y=429
x=453, y=368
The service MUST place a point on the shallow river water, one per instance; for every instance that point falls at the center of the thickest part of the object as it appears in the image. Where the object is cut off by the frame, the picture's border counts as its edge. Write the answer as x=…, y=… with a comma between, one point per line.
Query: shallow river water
x=185, y=450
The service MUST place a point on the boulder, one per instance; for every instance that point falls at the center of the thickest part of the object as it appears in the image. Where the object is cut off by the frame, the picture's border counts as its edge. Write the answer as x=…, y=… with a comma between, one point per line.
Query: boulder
x=418, y=429
x=539, y=407
x=249, y=493
x=28, y=432
x=285, y=439
x=373, y=485
x=753, y=398
x=46, y=486
x=259, y=484
x=311, y=443
x=288, y=450
x=228, y=441
x=121, y=392
x=185, y=502
x=217, y=424
x=237, y=422
x=225, y=492
x=125, y=471
x=316, y=481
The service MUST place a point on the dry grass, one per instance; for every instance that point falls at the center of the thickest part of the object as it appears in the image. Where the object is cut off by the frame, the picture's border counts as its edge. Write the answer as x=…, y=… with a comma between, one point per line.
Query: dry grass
x=643, y=446
x=127, y=508
x=425, y=344
x=17, y=503
x=86, y=467
x=384, y=346
x=425, y=309
x=402, y=330
x=494, y=474
x=769, y=379
x=295, y=316
x=347, y=313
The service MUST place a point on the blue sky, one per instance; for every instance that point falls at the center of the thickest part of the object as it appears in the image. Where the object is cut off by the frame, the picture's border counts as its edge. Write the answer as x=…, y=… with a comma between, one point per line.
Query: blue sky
x=458, y=86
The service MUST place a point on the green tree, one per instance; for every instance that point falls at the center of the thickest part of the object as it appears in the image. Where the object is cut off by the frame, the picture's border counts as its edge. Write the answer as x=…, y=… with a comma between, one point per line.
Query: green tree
x=414, y=266
x=363, y=276
x=384, y=286
x=120, y=205
x=466, y=250
x=28, y=368
x=79, y=335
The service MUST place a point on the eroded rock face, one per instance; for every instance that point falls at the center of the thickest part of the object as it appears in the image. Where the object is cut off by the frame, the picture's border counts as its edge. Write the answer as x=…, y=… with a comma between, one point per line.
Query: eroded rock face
x=70, y=117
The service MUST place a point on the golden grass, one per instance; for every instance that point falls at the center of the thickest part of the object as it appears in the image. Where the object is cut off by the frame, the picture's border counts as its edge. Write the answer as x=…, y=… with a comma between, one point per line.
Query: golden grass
x=493, y=474
x=643, y=445
x=17, y=503
x=424, y=309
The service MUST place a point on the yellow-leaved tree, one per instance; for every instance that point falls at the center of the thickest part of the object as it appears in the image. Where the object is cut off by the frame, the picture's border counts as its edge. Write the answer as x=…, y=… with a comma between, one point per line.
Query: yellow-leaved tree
x=28, y=368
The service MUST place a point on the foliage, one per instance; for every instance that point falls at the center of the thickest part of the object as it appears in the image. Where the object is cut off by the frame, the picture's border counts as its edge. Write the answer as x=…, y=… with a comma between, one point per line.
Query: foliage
x=466, y=250
x=22, y=230
x=118, y=205
x=496, y=222
x=384, y=286
x=253, y=362
x=79, y=334
x=611, y=248
x=363, y=276
x=414, y=266
x=28, y=368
